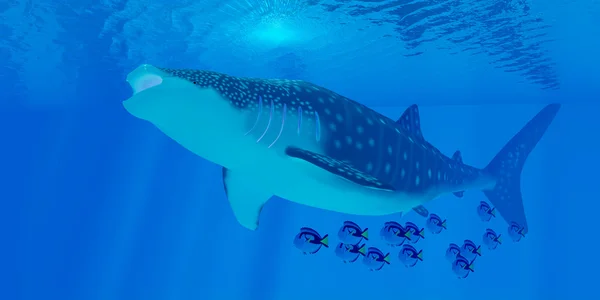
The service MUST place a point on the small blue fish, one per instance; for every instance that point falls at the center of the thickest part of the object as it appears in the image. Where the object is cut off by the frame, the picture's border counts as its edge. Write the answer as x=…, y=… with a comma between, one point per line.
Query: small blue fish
x=516, y=231
x=462, y=267
x=309, y=241
x=415, y=232
x=469, y=250
x=409, y=256
x=350, y=233
x=350, y=253
x=375, y=259
x=435, y=224
x=394, y=234
x=452, y=251
x=491, y=239
x=485, y=212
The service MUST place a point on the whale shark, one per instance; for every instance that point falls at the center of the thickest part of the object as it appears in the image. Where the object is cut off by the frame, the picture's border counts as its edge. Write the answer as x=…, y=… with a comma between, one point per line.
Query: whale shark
x=309, y=145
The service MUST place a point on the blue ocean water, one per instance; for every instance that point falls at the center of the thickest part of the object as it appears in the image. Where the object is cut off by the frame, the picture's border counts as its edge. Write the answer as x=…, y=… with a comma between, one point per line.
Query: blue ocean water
x=97, y=204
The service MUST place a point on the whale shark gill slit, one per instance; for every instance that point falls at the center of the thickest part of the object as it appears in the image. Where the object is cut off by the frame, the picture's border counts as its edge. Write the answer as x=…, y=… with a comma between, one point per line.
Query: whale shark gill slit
x=260, y=105
x=268, y=123
x=282, y=125
x=317, y=127
x=299, y=118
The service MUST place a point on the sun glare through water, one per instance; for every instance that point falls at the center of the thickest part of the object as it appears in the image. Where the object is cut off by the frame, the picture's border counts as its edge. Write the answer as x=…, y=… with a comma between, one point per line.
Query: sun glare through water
x=265, y=24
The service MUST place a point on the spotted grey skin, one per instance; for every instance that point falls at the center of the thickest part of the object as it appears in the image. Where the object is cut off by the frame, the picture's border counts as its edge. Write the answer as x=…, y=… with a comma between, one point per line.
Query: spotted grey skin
x=383, y=162
x=245, y=93
x=389, y=155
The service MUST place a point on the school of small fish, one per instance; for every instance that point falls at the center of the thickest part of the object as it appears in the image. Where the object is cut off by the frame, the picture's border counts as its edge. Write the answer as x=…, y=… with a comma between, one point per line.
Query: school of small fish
x=404, y=238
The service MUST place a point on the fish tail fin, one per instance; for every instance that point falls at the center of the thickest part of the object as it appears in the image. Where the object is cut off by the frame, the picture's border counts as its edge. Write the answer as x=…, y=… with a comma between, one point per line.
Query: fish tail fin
x=386, y=258
x=408, y=234
x=499, y=239
x=507, y=165
x=420, y=255
x=444, y=224
x=325, y=241
x=472, y=266
x=362, y=249
x=365, y=234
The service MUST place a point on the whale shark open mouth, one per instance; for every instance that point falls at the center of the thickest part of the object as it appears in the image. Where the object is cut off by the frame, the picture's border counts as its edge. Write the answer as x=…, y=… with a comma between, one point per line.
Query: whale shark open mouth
x=146, y=82
x=143, y=78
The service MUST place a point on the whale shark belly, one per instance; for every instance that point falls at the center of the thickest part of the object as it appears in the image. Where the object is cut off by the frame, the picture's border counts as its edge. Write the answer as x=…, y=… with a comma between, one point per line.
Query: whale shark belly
x=301, y=182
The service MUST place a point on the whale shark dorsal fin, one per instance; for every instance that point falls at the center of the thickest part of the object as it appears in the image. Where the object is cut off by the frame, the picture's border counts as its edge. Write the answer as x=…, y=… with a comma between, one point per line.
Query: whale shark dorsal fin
x=457, y=156
x=245, y=200
x=339, y=168
x=410, y=121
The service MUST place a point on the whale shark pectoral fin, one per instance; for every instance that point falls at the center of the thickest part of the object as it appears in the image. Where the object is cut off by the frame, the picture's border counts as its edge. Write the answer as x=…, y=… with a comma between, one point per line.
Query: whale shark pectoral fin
x=245, y=200
x=339, y=168
x=421, y=210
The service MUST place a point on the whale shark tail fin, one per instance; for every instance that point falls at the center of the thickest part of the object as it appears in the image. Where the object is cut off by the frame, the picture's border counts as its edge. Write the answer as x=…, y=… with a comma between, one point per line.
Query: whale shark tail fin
x=508, y=164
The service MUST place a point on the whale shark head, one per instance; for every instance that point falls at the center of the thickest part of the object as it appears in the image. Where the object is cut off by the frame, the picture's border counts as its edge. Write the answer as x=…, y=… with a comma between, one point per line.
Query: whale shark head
x=187, y=106
x=159, y=97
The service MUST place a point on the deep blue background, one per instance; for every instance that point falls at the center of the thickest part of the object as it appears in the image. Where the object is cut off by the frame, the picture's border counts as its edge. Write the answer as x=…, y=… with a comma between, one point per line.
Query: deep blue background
x=99, y=205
